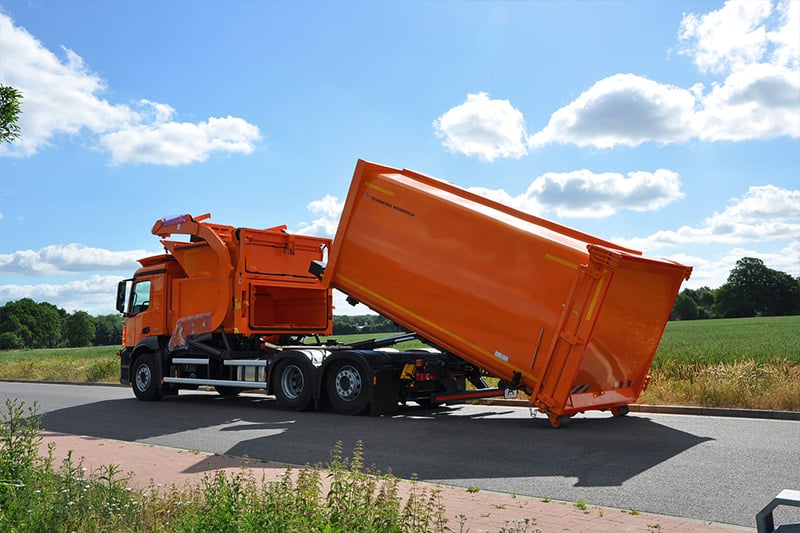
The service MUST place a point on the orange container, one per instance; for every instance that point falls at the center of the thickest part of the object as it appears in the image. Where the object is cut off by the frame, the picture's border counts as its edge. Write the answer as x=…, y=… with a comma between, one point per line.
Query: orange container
x=576, y=318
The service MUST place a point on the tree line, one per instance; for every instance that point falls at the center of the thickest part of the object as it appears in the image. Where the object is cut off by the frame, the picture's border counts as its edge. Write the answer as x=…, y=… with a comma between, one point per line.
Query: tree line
x=28, y=324
x=752, y=289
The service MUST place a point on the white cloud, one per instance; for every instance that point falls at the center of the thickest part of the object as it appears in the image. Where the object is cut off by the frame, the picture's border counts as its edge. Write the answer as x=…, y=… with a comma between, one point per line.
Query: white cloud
x=786, y=50
x=727, y=38
x=583, y=193
x=765, y=213
x=622, y=109
x=61, y=96
x=179, y=143
x=760, y=101
x=69, y=258
x=330, y=209
x=714, y=272
x=94, y=295
x=483, y=127
x=755, y=48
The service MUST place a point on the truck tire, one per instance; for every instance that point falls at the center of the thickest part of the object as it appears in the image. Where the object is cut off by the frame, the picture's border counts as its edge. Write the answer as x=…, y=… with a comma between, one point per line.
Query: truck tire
x=621, y=410
x=346, y=383
x=292, y=384
x=145, y=379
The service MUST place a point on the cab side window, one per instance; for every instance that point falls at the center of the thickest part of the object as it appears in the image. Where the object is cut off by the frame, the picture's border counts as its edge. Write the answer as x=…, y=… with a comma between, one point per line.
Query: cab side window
x=141, y=297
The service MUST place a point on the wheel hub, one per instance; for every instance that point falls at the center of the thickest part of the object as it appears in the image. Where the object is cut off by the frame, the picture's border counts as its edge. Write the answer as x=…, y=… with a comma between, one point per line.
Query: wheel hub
x=348, y=383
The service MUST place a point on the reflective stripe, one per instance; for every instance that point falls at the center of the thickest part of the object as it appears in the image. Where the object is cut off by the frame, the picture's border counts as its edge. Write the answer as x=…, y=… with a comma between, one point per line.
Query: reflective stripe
x=577, y=389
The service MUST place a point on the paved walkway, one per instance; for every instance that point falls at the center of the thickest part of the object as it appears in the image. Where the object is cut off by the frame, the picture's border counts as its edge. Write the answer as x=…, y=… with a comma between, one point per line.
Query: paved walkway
x=478, y=512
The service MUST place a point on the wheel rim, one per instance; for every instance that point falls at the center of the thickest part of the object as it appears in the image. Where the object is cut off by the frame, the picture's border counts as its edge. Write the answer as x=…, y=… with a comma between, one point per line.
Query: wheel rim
x=348, y=383
x=143, y=377
x=292, y=382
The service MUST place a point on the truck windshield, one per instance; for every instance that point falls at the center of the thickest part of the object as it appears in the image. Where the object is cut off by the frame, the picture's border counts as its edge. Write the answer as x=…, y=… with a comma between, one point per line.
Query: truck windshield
x=141, y=297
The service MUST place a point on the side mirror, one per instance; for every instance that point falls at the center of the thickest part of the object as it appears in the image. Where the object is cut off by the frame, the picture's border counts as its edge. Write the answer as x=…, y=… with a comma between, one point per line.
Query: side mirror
x=122, y=293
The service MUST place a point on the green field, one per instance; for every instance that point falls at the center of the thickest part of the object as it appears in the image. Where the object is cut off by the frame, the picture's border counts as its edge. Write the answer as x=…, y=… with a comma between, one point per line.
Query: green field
x=745, y=362
x=763, y=340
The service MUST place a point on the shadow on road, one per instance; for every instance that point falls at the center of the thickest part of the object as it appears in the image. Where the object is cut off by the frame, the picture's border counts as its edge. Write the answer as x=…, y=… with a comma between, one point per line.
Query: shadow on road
x=465, y=442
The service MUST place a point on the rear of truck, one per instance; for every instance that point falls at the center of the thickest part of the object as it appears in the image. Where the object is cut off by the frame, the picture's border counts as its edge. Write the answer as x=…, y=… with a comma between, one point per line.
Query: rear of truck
x=571, y=319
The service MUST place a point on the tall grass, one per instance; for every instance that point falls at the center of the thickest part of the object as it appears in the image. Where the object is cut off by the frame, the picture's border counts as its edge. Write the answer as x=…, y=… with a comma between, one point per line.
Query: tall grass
x=36, y=495
x=751, y=363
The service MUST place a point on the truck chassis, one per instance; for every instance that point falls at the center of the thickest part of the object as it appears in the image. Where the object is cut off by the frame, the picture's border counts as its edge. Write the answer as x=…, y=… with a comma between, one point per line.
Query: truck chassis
x=350, y=378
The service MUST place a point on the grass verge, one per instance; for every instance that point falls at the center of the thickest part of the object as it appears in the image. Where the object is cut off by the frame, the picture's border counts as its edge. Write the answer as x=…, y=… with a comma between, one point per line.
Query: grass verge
x=38, y=495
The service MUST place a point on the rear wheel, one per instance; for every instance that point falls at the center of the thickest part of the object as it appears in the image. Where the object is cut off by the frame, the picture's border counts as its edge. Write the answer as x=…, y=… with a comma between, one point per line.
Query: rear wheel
x=346, y=383
x=292, y=385
x=622, y=410
x=145, y=378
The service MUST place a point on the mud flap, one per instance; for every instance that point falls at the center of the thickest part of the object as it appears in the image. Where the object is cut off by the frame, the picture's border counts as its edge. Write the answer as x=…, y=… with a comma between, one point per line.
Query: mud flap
x=385, y=392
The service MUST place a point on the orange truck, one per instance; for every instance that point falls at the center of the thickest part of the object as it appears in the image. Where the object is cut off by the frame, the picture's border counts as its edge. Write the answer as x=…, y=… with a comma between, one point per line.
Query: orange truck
x=571, y=320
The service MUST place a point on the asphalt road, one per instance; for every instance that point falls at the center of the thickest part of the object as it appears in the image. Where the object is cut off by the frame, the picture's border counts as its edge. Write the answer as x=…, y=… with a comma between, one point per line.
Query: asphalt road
x=709, y=468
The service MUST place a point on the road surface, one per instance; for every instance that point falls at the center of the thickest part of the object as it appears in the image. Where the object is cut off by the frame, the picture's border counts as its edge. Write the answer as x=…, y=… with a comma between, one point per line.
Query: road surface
x=708, y=468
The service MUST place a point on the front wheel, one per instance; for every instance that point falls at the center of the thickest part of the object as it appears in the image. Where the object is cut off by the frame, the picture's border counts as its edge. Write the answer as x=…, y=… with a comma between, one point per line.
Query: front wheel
x=347, y=385
x=292, y=385
x=145, y=378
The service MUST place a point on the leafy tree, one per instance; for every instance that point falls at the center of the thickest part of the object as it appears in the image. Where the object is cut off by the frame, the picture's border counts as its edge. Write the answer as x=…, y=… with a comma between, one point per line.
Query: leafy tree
x=753, y=289
x=37, y=325
x=9, y=113
x=685, y=307
x=108, y=330
x=10, y=341
x=79, y=329
x=703, y=299
x=785, y=294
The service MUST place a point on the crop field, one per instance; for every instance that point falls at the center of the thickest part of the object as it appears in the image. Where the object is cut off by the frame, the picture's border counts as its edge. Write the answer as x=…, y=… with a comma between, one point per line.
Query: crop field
x=746, y=362
x=763, y=340
x=93, y=364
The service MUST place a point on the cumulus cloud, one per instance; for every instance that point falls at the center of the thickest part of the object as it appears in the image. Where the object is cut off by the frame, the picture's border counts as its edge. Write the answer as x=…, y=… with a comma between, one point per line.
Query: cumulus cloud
x=69, y=258
x=94, y=295
x=752, y=47
x=622, y=109
x=583, y=193
x=329, y=210
x=760, y=101
x=765, y=213
x=62, y=96
x=713, y=272
x=483, y=127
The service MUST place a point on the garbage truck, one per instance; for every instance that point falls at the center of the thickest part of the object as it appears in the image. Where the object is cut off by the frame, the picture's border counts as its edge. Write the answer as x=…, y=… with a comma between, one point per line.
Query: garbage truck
x=504, y=302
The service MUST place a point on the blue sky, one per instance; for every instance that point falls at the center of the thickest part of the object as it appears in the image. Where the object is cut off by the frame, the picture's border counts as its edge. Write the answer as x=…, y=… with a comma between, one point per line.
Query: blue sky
x=670, y=127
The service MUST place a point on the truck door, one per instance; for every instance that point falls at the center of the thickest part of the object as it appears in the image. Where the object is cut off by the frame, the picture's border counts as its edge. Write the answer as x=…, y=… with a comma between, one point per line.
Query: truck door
x=145, y=308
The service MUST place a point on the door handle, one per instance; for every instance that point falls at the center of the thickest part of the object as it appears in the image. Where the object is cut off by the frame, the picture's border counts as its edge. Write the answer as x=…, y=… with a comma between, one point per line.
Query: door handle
x=146, y=330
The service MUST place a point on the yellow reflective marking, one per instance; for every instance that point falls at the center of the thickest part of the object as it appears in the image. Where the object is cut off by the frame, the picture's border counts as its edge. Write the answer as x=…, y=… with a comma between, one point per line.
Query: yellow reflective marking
x=561, y=261
x=595, y=297
x=381, y=189
x=429, y=323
